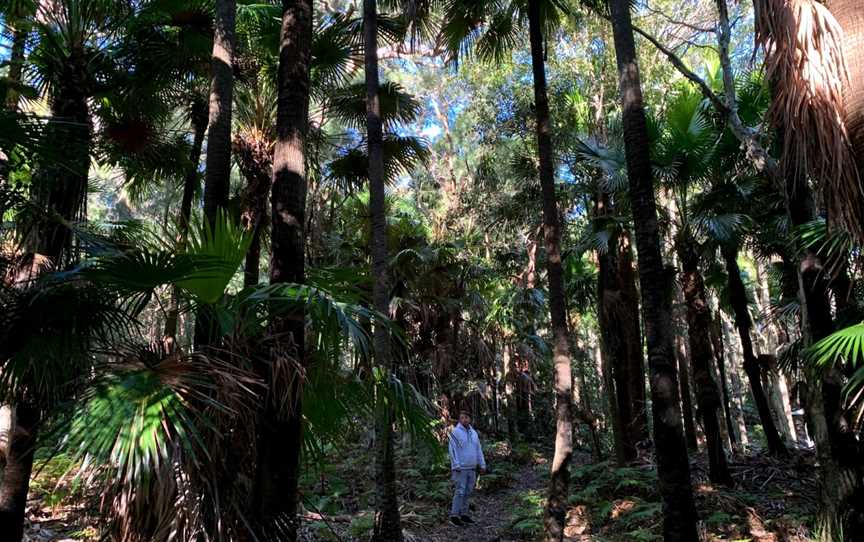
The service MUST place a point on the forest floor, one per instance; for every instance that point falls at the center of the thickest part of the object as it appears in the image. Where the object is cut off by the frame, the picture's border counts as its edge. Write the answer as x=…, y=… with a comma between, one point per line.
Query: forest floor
x=773, y=501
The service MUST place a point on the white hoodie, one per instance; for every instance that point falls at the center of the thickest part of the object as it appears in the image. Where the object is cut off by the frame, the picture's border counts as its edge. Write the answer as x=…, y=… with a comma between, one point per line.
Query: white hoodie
x=465, y=450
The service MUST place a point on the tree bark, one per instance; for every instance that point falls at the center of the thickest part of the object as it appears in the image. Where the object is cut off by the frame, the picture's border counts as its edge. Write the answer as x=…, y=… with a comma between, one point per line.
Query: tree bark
x=679, y=511
x=621, y=335
x=388, y=523
x=559, y=482
x=738, y=300
x=280, y=427
x=16, y=474
x=701, y=354
x=682, y=354
x=217, y=175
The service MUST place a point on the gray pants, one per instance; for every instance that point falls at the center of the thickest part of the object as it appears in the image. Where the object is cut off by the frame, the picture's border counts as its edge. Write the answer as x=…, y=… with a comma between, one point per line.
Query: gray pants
x=464, y=481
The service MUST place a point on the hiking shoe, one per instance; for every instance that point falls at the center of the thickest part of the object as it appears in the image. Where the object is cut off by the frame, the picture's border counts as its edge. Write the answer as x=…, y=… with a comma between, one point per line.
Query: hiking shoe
x=455, y=520
x=466, y=520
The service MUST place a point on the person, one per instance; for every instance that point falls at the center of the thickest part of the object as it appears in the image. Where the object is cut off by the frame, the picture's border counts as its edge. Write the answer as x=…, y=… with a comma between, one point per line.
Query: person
x=466, y=457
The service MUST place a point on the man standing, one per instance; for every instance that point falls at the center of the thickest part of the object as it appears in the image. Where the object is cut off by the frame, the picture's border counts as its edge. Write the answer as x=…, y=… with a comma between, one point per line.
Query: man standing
x=466, y=457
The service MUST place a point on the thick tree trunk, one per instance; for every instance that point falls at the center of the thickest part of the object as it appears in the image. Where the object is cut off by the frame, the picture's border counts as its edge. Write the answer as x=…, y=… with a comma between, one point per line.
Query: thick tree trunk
x=738, y=300
x=388, y=524
x=16, y=474
x=280, y=428
x=559, y=482
x=217, y=175
x=191, y=182
x=679, y=511
x=701, y=354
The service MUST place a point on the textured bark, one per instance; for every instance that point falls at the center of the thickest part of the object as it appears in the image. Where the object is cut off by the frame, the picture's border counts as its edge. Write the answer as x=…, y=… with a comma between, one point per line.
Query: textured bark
x=621, y=335
x=16, y=474
x=701, y=354
x=217, y=175
x=388, y=523
x=850, y=16
x=559, y=481
x=738, y=300
x=679, y=511
x=191, y=182
x=280, y=430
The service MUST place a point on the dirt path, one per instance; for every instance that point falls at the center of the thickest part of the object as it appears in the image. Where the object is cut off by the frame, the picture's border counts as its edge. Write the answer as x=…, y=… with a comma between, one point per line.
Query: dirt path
x=492, y=509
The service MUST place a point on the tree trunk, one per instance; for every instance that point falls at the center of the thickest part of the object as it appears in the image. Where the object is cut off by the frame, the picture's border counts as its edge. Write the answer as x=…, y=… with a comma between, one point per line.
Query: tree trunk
x=621, y=336
x=16, y=474
x=682, y=354
x=738, y=300
x=701, y=353
x=388, y=524
x=679, y=511
x=556, y=504
x=191, y=181
x=217, y=175
x=280, y=428
x=719, y=359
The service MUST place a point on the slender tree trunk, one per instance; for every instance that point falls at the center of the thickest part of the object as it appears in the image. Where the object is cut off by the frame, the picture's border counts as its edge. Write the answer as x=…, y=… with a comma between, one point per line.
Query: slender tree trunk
x=388, y=524
x=701, y=353
x=217, y=175
x=738, y=300
x=556, y=505
x=16, y=474
x=280, y=427
x=719, y=359
x=679, y=511
x=682, y=354
x=191, y=182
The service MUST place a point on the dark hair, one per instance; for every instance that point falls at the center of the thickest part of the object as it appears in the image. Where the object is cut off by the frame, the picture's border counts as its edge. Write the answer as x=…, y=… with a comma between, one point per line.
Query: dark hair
x=466, y=412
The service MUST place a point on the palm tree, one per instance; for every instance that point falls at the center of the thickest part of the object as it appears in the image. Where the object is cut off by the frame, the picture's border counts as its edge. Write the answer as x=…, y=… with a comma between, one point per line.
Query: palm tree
x=679, y=521
x=217, y=175
x=253, y=150
x=462, y=22
x=280, y=427
x=388, y=526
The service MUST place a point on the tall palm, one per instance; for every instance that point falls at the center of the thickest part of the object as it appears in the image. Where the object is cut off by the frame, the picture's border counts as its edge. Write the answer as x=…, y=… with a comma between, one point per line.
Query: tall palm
x=280, y=426
x=679, y=521
x=388, y=526
x=689, y=146
x=462, y=22
x=66, y=64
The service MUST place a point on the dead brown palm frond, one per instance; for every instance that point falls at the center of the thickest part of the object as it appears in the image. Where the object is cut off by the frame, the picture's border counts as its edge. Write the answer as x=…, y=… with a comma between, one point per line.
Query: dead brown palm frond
x=804, y=59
